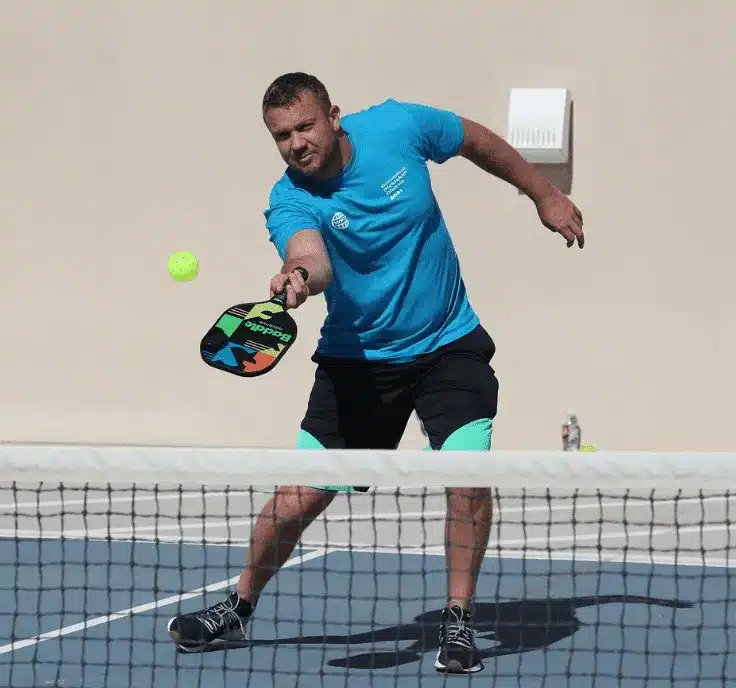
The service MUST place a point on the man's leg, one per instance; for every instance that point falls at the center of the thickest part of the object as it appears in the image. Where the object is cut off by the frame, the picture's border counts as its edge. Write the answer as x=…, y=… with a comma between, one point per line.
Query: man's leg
x=351, y=406
x=469, y=520
x=345, y=410
x=469, y=517
x=456, y=401
x=276, y=533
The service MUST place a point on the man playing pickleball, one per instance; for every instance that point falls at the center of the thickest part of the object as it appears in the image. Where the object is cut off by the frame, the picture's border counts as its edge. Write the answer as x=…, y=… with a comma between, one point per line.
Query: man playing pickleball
x=355, y=207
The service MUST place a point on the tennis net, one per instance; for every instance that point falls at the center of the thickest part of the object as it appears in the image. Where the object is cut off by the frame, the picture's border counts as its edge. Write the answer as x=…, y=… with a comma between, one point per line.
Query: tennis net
x=602, y=569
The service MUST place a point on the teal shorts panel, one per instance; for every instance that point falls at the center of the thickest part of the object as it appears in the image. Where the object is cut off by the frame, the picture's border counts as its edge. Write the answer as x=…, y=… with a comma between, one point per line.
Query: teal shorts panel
x=307, y=441
x=473, y=436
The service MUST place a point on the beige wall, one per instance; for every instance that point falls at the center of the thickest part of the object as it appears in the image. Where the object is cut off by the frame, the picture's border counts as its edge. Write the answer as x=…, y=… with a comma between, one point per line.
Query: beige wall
x=131, y=129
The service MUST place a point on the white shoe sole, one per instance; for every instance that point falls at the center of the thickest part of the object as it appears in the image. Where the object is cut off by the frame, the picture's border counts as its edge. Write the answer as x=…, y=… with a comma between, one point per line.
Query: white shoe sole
x=454, y=667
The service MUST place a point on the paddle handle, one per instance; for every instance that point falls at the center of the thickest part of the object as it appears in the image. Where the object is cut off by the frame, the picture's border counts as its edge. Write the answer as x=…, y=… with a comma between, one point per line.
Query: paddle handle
x=281, y=298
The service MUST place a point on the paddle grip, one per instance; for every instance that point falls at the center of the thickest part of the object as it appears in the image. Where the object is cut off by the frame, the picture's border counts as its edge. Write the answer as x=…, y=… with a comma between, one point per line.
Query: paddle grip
x=281, y=298
x=303, y=272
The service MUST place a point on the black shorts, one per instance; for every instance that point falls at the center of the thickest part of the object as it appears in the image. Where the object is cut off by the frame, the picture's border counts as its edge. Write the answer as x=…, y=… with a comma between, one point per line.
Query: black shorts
x=367, y=405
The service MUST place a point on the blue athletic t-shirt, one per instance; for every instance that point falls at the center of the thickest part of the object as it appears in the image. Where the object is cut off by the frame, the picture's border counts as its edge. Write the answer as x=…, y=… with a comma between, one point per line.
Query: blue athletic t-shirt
x=397, y=291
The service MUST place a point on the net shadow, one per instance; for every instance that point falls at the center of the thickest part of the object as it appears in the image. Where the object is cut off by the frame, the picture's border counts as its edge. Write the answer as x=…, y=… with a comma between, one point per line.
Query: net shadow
x=516, y=627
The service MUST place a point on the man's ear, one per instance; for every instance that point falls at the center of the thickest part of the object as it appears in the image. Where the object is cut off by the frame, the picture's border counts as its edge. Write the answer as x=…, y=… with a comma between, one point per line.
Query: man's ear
x=334, y=117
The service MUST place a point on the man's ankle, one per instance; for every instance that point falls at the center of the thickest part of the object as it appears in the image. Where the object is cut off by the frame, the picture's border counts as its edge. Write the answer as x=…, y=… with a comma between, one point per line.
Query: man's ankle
x=464, y=604
x=245, y=607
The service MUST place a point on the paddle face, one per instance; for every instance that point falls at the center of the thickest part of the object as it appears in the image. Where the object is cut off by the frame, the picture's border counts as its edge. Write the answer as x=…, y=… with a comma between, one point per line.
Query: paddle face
x=249, y=339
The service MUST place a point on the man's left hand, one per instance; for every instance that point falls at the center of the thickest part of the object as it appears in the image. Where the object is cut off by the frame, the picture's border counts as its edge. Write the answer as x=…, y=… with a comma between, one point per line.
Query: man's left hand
x=559, y=214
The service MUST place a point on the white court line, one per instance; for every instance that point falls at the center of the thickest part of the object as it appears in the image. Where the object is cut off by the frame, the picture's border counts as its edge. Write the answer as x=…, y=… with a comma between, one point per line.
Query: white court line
x=582, y=553
x=630, y=503
x=587, y=553
x=145, y=496
x=577, y=555
x=572, y=501
x=207, y=541
x=405, y=516
x=643, y=532
x=500, y=512
x=572, y=538
x=102, y=533
x=190, y=523
x=90, y=623
x=187, y=523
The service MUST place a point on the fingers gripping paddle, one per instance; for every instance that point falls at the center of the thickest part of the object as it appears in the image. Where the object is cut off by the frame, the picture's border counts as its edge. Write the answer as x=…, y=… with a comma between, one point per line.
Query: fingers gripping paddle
x=251, y=338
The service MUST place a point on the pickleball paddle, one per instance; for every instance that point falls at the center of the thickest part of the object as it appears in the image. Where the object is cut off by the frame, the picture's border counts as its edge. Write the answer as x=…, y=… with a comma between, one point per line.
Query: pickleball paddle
x=249, y=339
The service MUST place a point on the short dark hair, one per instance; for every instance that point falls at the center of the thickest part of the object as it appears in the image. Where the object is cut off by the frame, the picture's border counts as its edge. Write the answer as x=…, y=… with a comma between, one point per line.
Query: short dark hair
x=288, y=88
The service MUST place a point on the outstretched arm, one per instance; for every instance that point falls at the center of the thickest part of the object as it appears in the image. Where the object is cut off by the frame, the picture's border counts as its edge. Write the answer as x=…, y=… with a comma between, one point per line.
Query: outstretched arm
x=307, y=250
x=494, y=155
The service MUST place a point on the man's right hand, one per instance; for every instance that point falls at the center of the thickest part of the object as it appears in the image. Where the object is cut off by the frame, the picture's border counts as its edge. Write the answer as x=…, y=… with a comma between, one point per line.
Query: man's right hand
x=293, y=283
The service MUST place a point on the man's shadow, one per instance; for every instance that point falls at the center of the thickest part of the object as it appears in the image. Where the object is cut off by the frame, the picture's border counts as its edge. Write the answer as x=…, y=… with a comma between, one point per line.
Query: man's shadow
x=515, y=627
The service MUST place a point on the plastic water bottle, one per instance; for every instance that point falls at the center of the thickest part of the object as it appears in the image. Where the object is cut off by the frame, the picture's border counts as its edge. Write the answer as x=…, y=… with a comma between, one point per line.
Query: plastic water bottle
x=571, y=433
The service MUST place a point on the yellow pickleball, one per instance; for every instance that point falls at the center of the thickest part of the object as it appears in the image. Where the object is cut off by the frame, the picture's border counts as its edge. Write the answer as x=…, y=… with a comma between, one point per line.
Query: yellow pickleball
x=183, y=266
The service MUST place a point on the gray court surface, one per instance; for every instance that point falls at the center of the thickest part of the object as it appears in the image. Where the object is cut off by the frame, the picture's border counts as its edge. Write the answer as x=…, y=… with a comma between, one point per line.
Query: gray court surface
x=606, y=590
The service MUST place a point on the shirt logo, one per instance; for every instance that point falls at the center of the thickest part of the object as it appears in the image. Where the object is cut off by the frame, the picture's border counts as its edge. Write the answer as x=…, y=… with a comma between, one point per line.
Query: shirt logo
x=339, y=221
x=392, y=186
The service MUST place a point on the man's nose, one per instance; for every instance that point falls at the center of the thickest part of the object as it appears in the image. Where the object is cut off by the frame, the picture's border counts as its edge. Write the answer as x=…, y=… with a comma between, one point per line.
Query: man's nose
x=298, y=143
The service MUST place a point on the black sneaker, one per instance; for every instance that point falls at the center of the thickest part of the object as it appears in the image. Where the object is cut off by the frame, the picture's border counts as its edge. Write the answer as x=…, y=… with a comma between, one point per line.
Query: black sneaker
x=216, y=624
x=457, y=653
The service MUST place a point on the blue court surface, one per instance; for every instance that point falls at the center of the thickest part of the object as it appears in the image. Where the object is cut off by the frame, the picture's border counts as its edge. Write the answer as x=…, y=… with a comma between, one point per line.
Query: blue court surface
x=358, y=619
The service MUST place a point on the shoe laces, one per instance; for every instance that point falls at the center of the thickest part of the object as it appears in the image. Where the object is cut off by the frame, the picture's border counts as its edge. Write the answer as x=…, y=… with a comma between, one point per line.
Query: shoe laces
x=221, y=615
x=457, y=631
